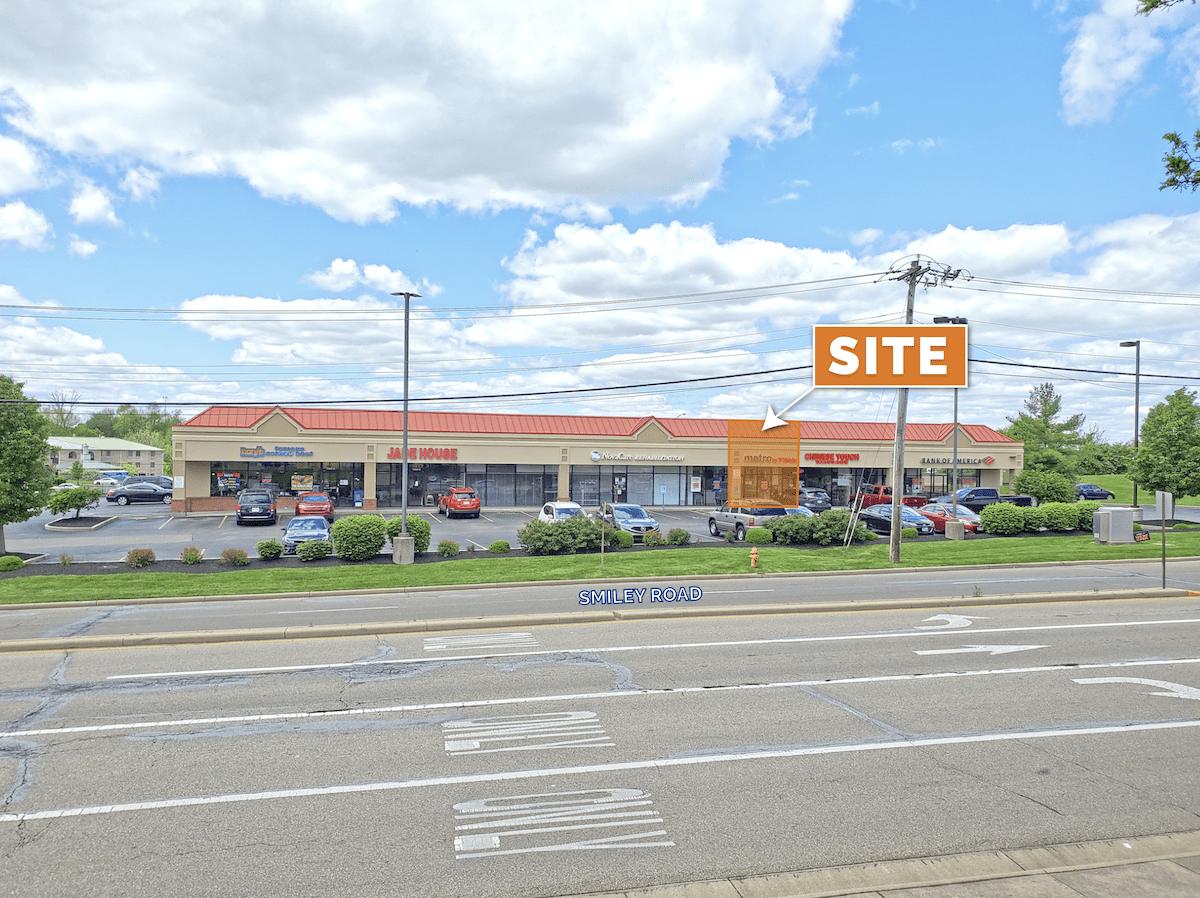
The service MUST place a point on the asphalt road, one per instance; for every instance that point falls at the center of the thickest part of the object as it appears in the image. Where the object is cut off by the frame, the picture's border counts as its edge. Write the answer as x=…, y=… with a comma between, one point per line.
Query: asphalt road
x=595, y=757
x=69, y=620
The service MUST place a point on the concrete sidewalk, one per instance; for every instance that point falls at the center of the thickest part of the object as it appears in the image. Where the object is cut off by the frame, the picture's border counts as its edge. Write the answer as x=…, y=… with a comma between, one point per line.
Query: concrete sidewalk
x=1166, y=866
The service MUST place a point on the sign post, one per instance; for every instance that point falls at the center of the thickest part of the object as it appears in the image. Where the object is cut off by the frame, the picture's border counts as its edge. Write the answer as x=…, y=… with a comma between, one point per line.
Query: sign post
x=1164, y=507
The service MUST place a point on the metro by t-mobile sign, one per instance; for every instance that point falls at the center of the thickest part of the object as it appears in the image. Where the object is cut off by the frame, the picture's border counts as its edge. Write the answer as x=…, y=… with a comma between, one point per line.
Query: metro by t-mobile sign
x=890, y=356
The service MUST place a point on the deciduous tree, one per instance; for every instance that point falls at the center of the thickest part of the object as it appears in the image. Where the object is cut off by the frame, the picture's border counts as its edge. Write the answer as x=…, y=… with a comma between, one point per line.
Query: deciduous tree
x=25, y=478
x=1168, y=458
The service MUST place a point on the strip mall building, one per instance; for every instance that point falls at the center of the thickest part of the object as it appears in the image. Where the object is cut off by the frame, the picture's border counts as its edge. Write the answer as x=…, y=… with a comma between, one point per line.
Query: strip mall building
x=515, y=461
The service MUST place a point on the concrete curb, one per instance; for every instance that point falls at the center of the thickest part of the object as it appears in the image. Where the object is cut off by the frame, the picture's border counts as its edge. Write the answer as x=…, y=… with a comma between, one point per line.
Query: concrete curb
x=51, y=526
x=620, y=613
x=925, y=873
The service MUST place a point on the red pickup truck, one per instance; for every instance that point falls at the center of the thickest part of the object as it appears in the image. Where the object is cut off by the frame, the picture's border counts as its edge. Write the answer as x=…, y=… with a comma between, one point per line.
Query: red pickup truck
x=874, y=494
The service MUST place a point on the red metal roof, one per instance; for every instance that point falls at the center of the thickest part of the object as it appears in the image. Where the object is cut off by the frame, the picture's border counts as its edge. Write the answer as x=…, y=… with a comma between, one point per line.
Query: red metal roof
x=389, y=421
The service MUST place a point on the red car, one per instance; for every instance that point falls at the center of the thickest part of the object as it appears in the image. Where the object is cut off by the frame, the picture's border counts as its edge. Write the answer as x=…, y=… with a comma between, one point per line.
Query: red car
x=459, y=500
x=315, y=504
x=939, y=514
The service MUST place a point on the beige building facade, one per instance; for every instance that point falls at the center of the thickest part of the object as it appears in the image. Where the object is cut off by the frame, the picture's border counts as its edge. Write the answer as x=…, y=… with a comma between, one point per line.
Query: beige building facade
x=521, y=461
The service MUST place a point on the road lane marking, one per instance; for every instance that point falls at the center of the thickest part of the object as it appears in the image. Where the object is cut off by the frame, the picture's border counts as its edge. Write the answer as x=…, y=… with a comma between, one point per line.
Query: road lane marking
x=1173, y=690
x=517, y=816
x=977, y=649
x=585, y=696
x=480, y=640
x=774, y=640
x=610, y=767
x=524, y=732
x=338, y=610
x=950, y=621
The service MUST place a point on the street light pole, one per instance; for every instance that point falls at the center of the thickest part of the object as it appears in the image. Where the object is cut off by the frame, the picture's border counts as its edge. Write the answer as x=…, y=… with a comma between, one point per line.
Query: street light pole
x=954, y=461
x=404, y=442
x=1137, y=388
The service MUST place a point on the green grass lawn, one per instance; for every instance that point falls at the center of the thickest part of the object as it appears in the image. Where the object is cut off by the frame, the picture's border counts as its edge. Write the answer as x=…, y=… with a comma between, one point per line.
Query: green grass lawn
x=1122, y=489
x=675, y=563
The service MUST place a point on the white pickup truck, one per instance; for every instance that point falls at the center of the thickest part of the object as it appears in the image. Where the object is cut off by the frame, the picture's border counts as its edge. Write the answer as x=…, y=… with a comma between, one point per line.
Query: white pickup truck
x=741, y=519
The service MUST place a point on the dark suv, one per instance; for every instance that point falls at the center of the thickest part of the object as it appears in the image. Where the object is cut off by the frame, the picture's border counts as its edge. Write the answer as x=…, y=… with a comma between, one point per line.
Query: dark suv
x=256, y=505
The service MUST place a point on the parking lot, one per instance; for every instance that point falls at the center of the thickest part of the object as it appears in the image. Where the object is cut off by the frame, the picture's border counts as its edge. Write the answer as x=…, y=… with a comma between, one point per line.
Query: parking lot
x=167, y=534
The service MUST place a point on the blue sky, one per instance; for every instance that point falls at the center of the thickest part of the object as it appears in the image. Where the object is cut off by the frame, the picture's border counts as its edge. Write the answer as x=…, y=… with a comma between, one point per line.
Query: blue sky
x=212, y=202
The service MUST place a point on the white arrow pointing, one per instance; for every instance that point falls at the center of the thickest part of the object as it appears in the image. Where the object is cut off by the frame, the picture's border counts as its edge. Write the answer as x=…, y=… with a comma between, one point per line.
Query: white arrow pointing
x=988, y=649
x=952, y=621
x=1173, y=690
x=774, y=420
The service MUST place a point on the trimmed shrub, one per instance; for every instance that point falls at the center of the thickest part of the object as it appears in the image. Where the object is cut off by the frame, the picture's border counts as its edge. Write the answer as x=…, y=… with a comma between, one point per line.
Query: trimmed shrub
x=677, y=536
x=759, y=535
x=234, y=557
x=909, y=533
x=578, y=533
x=1182, y=525
x=1002, y=518
x=1033, y=518
x=11, y=563
x=792, y=529
x=1062, y=515
x=731, y=535
x=500, y=547
x=830, y=526
x=139, y=558
x=313, y=550
x=1044, y=486
x=622, y=539
x=418, y=528
x=539, y=538
x=269, y=549
x=1137, y=526
x=1086, y=511
x=64, y=559
x=358, y=537
x=191, y=555
x=447, y=548
x=654, y=539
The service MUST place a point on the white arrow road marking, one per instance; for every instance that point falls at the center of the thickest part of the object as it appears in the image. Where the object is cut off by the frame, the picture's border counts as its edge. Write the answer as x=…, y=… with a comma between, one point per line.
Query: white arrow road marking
x=1173, y=690
x=989, y=649
x=952, y=621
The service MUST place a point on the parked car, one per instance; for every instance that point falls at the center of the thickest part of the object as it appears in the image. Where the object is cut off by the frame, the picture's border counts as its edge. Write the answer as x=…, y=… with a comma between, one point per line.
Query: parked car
x=877, y=494
x=628, y=517
x=879, y=519
x=814, y=499
x=560, y=511
x=801, y=510
x=459, y=500
x=256, y=505
x=138, y=492
x=59, y=487
x=1091, y=491
x=940, y=514
x=977, y=498
x=108, y=481
x=160, y=479
x=302, y=530
x=739, y=519
x=315, y=504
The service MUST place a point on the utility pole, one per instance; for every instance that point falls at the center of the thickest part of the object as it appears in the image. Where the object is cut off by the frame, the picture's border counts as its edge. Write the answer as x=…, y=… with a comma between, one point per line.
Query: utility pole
x=928, y=273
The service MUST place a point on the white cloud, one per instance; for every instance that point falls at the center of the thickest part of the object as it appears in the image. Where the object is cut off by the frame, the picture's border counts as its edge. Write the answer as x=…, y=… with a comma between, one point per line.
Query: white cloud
x=355, y=107
x=900, y=146
x=872, y=109
x=140, y=183
x=866, y=236
x=1109, y=54
x=343, y=274
x=91, y=204
x=24, y=226
x=20, y=168
x=81, y=247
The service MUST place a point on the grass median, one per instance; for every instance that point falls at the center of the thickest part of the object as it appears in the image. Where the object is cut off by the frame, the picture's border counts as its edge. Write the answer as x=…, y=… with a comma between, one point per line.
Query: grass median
x=672, y=563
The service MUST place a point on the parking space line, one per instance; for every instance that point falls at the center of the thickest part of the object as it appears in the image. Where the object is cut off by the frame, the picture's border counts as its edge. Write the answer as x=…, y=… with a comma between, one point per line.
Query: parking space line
x=166, y=522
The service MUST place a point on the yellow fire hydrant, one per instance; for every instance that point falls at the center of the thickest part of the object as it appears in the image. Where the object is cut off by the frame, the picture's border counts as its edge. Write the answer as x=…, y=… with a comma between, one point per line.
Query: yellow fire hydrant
x=754, y=557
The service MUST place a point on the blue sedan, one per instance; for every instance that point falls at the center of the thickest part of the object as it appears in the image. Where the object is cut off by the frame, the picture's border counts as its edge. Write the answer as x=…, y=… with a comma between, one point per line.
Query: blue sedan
x=1091, y=491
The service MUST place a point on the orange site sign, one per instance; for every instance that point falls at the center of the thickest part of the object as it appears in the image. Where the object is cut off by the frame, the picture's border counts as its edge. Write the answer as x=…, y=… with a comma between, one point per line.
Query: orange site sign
x=899, y=355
